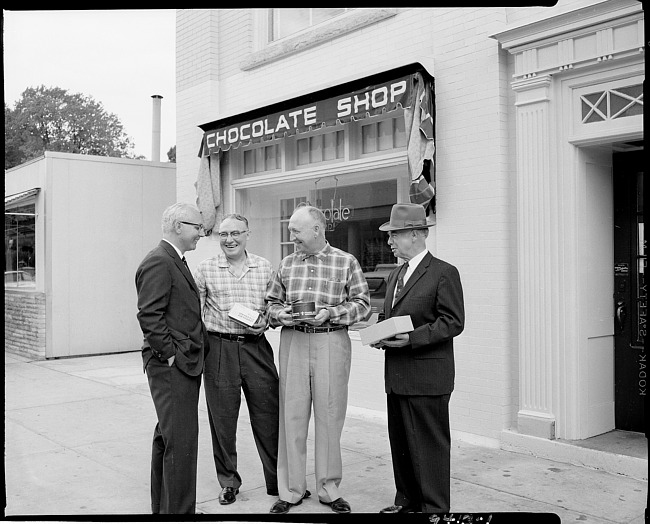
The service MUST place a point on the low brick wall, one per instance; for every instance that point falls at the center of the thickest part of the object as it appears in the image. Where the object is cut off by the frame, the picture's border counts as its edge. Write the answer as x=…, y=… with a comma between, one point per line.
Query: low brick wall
x=25, y=323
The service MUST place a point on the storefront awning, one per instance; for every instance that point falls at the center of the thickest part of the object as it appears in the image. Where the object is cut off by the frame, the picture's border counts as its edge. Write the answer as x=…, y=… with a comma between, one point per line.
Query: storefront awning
x=19, y=197
x=408, y=87
x=341, y=104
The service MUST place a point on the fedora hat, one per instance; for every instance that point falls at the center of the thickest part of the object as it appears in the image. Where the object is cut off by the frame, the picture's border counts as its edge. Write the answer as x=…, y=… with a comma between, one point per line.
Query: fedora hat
x=406, y=216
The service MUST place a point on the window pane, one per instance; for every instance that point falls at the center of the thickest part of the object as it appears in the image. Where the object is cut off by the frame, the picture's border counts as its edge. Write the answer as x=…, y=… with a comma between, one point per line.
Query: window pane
x=329, y=146
x=385, y=134
x=353, y=212
x=320, y=15
x=287, y=21
x=249, y=162
x=369, y=138
x=400, y=133
x=303, y=151
x=271, y=161
x=20, y=245
x=316, y=149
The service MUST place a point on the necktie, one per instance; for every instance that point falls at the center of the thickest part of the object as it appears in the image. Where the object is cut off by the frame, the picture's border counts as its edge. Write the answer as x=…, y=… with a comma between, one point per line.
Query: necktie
x=400, y=278
x=185, y=262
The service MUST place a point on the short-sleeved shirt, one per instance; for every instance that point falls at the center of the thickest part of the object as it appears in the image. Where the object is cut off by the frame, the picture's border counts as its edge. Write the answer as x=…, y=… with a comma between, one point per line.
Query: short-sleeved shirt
x=219, y=290
x=331, y=278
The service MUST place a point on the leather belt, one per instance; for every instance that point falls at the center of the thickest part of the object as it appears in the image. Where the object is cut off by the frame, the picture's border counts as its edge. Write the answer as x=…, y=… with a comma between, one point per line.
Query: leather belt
x=317, y=329
x=235, y=338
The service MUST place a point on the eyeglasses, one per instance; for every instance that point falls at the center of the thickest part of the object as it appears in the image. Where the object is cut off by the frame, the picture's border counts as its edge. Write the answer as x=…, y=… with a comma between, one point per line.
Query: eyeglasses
x=199, y=227
x=234, y=234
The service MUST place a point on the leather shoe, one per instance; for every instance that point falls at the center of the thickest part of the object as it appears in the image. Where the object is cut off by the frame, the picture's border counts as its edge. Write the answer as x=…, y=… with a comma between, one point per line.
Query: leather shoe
x=227, y=495
x=397, y=509
x=339, y=505
x=282, y=506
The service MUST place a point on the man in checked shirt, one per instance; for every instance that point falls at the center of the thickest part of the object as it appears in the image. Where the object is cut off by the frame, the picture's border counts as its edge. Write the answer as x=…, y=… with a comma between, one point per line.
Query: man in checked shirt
x=314, y=358
x=240, y=356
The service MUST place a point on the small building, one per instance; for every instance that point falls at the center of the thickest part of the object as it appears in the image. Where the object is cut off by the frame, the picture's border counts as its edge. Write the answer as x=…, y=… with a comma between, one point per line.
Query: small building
x=76, y=228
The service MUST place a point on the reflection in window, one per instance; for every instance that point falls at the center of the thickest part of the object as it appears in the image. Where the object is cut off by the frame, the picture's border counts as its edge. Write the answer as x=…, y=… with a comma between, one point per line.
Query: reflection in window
x=285, y=21
x=20, y=245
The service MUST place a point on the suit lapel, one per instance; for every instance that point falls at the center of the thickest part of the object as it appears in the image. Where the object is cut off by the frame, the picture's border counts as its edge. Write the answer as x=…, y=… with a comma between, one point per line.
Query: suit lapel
x=418, y=273
x=180, y=265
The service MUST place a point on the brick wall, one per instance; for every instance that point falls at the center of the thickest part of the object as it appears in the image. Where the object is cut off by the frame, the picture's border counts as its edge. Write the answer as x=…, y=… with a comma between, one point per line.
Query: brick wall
x=25, y=323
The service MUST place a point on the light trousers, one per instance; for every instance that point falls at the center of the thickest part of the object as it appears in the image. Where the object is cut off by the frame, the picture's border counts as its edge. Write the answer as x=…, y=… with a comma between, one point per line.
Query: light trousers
x=314, y=371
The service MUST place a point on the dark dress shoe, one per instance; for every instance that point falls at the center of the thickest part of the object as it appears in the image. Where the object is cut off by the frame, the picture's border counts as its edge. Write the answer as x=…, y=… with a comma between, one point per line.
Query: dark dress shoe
x=397, y=509
x=339, y=505
x=227, y=495
x=282, y=506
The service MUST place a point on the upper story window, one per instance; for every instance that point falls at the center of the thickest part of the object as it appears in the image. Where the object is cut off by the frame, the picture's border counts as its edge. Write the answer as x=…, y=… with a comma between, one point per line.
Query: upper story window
x=284, y=21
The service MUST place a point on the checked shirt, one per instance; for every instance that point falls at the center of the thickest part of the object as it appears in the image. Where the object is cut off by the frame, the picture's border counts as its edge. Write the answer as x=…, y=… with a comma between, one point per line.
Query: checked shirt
x=331, y=278
x=220, y=290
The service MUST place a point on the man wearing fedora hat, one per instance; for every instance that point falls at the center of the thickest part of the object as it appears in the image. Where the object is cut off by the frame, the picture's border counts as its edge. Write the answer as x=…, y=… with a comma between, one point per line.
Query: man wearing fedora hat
x=419, y=366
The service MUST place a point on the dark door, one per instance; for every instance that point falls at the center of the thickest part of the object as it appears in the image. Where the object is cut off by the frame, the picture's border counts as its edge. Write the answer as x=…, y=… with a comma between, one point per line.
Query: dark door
x=630, y=293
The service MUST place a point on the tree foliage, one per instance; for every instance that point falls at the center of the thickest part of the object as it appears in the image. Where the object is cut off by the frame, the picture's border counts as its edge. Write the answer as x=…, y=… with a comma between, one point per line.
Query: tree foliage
x=51, y=119
x=171, y=154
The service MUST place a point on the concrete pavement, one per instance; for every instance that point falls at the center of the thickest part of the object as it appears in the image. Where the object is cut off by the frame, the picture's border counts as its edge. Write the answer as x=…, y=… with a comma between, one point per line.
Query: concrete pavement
x=78, y=437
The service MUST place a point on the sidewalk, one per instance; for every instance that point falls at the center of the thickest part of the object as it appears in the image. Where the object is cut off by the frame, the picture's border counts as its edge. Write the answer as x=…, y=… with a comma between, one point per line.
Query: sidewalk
x=78, y=439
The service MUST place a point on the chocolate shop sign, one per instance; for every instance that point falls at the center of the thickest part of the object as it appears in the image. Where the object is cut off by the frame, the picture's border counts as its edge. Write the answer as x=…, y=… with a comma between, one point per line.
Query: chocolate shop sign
x=373, y=100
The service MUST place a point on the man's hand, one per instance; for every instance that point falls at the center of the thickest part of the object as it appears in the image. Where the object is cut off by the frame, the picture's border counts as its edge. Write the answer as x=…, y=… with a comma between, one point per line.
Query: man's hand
x=259, y=326
x=285, y=317
x=398, y=341
x=323, y=316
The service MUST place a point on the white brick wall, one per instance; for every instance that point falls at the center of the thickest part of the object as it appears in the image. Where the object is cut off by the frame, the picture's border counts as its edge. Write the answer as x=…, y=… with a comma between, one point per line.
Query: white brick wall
x=475, y=224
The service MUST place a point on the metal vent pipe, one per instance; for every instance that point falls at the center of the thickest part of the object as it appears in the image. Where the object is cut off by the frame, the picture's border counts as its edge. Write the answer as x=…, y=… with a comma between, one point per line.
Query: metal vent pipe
x=155, y=129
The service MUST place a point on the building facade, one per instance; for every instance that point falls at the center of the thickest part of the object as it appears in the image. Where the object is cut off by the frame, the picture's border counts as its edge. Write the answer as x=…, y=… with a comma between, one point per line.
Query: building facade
x=536, y=121
x=76, y=229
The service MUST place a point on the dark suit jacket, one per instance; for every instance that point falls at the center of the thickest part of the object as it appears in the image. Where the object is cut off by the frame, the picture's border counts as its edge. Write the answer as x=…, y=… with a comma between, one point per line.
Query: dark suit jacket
x=433, y=297
x=169, y=311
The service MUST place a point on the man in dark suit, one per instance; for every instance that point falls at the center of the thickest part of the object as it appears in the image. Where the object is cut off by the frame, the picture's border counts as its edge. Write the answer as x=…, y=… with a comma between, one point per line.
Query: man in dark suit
x=169, y=313
x=419, y=366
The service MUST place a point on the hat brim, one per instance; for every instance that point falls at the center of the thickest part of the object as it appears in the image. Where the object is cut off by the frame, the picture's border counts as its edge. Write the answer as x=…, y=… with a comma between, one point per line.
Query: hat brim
x=387, y=227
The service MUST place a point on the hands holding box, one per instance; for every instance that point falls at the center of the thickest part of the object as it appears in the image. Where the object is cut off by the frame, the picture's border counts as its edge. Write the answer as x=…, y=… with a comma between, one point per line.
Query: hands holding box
x=386, y=329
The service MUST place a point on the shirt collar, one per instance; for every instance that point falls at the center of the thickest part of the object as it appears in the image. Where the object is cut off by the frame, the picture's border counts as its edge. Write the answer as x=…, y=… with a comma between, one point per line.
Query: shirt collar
x=413, y=263
x=223, y=261
x=320, y=255
x=180, y=255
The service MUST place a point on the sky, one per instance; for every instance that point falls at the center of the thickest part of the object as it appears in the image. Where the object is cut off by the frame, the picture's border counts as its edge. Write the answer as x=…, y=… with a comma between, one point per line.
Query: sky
x=120, y=58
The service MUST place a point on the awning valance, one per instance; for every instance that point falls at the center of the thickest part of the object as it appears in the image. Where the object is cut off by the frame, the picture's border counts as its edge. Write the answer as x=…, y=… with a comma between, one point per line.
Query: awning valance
x=341, y=104
x=19, y=197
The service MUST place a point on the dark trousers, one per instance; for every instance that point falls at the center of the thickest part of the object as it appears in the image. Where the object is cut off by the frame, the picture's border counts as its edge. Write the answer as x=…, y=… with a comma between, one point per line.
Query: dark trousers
x=175, y=439
x=230, y=368
x=420, y=444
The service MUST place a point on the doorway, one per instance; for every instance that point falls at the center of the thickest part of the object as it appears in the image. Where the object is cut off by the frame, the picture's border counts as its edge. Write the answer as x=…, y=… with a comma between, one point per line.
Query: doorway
x=630, y=293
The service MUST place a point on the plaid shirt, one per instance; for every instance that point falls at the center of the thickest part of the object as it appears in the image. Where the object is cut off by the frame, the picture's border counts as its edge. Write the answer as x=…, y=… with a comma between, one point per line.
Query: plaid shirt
x=331, y=278
x=220, y=290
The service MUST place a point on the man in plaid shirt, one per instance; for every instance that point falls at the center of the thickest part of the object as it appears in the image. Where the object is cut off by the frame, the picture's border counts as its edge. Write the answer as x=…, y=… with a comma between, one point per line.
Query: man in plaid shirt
x=240, y=356
x=314, y=357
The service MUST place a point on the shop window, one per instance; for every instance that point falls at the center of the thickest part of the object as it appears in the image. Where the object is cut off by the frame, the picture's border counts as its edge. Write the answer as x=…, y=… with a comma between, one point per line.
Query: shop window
x=612, y=104
x=261, y=159
x=353, y=210
x=383, y=135
x=287, y=21
x=20, y=246
x=320, y=148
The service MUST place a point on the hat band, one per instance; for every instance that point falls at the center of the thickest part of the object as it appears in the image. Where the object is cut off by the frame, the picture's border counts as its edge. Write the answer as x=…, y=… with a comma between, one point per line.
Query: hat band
x=411, y=223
